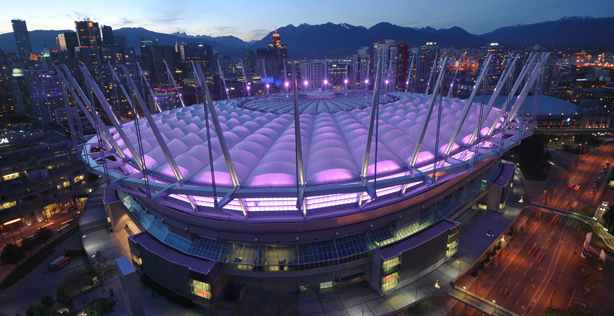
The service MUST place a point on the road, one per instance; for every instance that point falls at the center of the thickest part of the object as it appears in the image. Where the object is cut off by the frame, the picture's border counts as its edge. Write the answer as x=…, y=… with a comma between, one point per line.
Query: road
x=588, y=172
x=541, y=268
x=40, y=282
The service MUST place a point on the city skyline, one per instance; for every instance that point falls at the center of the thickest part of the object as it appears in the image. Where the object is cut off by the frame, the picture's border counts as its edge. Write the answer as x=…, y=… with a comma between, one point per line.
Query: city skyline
x=257, y=20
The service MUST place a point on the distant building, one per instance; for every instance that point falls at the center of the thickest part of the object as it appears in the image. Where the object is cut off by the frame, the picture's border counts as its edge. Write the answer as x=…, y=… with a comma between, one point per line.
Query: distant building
x=67, y=41
x=315, y=72
x=427, y=54
x=88, y=33
x=153, y=56
x=271, y=61
x=22, y=39
x=108, y=40
x=360, y=67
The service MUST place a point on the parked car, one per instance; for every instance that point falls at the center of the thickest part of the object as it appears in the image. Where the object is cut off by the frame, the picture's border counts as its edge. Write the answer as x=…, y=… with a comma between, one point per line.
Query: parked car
x=59, y=263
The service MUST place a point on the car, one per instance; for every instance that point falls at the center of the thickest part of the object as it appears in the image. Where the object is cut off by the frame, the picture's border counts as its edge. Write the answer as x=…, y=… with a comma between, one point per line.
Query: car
x=59, y=263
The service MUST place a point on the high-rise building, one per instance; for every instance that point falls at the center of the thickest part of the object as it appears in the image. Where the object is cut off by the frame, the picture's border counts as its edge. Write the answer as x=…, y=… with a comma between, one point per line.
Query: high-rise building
x=270, y=61
x=153, y=56
x=88, y=33
x=108, y=40
x=360, y=67
x=276, y=39
x=424, y=64
x=395, y=61
x=315, y=72
x=22, y=39
x=67, y=41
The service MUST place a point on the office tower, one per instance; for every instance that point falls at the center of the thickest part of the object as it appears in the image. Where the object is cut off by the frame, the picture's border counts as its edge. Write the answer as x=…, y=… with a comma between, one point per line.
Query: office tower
x=315, y=72
x=88, y=33
x=67, y=41
x=359, y=68
x=22, y=39
x=270, y=61
x=108, y=40
x=153, y=56
x=424, y=64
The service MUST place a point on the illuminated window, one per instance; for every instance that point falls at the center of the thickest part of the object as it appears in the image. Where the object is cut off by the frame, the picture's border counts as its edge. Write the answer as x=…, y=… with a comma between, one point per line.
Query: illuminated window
x=9, y=204
x=11, y=176
x=390, y=281
x=201, y=289
x=390, y=264
x=79, y=178
x=137, y=260
x=326, y=285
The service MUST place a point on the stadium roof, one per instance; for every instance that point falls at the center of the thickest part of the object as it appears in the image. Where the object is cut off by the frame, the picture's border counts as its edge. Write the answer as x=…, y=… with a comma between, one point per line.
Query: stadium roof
x=260, y=137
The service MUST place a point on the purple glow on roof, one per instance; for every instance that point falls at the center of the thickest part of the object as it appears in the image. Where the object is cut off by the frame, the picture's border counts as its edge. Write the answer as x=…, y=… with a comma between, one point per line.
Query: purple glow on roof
x=334, y=135
x=273, y=180
x=333, y=175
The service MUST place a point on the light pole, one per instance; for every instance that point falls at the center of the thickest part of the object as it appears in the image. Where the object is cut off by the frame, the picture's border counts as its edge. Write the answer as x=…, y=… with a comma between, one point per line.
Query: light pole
x=306, y=84
x=248, y=88
x=325, y=82
x=268, y=88
x=345, y=83
x=287, y=86
x=366, y=84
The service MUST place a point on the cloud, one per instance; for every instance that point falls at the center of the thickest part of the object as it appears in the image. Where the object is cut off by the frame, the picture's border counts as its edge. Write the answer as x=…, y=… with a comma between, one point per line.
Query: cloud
x=125, y=22
x=224, y=30
x=257, y=34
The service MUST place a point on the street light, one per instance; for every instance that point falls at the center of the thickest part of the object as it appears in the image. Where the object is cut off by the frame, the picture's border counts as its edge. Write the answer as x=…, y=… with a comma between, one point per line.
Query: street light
x=325, y=82
x=268, y=87
x=345, y=83
x=306, y=83
x=287, y=85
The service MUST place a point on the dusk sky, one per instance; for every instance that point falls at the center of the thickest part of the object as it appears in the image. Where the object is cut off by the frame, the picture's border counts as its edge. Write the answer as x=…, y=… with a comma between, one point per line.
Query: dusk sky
x=253, y=19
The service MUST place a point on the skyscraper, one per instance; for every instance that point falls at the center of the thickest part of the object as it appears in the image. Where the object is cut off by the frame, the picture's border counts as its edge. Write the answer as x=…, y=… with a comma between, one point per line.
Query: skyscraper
x=67, y=41
x=270, y=60
x=22, y=39
x=108, y=40
x=88, y=33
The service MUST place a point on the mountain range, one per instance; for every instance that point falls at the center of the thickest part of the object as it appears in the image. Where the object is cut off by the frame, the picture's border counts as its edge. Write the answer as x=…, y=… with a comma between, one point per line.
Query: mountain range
x=334, y=40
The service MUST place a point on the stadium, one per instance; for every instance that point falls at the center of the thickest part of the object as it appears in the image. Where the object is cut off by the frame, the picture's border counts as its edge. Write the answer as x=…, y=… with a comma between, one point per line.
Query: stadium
x=309, y=190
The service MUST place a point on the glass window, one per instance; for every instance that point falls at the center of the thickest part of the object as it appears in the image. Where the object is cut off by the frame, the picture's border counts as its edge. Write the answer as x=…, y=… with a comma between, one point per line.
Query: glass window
x=390, y=281
x=326, y=285
x=201, y=289
x=137, y=260
x=390, y=264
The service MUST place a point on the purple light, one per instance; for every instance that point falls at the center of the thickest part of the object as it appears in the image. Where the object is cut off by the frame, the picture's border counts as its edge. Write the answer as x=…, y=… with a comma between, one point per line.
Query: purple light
x=268, y=85
x=305, y=83
x=345, y=81
x=366, y=81
x=325, y=82
x=386, y=81
x=286, y=84
x=248, y=88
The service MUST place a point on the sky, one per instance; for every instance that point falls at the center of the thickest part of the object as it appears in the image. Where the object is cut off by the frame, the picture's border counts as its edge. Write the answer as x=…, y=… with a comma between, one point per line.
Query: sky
x=250, y=20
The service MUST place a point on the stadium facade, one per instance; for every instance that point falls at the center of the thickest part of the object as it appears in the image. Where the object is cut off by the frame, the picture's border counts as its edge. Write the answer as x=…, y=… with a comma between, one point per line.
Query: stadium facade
x=308, y=190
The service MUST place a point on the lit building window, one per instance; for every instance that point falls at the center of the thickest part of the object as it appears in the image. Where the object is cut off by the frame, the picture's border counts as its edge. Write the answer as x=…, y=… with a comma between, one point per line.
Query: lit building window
x=11, y=176
x=7, y=205
x=326, y=285
x=137, y=260
x=201, y=289
x=390, y=281
x=390, y=264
